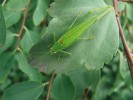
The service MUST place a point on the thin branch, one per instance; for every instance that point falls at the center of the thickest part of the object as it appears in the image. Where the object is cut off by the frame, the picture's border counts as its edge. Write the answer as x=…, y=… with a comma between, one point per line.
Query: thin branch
x=126, y=48
x=115, y=6
x=23, y=24
x=49, y=87
x=129, y=1
x=86, y=94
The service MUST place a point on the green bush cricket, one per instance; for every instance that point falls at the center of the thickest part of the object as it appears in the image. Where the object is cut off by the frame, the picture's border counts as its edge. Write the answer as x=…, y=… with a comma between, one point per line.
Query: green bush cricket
x=74, y=33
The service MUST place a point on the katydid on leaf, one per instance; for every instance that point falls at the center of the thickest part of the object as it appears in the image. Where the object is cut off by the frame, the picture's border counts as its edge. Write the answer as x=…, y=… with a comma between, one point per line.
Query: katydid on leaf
x=74, y=33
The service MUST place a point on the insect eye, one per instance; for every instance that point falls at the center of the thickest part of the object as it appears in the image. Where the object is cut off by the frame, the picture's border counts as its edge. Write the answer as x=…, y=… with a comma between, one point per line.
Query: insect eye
x=68, y=35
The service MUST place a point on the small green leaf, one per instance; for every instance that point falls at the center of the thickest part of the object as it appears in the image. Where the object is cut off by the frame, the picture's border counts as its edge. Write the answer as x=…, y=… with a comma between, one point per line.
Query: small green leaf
x=2, y=28
x=103, y=89
x=84, y=79
x=6, y=63
x=24, y=91
x=121, y=6
x=109, y=2
x=130, y=11
x=62, y=88
x=12, y=11
x=5, y=84
x=40, y=11
x=32, y=73
x=122, y=94
x=123, y=66
x=16, y=4
x=124, y=70
x=11, y=17
x=9, y=41
x=29, y=39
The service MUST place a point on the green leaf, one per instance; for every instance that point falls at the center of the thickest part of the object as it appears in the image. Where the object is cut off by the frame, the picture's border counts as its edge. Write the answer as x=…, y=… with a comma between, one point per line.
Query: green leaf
x=29, y=39
x=91, y=53
x=6, y=63
x=103, y=89
x=40, y=11
x=121, y=5
x=118, y=84
x=1, y=1
x=5, y=84
x=9, y=41
x=122, y=94
x=16, y=5
x=62, y=88
x=2, y=28
x=118, y=88
x=109, y=2
x=83, y=80
x=24, y=91
x=124, y=70
x=12, y=11
x=32, y=73
x=123, y=65
x=11, y=17
x=130, y=11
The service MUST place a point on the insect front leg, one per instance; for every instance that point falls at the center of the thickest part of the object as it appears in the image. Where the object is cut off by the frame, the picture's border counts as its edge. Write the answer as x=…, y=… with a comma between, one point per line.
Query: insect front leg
x=53, y=39
x=63, y=52
x=59, y=57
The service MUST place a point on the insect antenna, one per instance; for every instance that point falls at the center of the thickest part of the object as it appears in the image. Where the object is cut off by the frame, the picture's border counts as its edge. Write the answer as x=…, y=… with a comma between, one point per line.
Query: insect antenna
x=54, y=37
x=74, y=21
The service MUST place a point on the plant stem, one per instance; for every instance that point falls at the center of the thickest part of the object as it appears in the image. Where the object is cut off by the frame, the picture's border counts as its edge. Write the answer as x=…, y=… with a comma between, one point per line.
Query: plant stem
x=86, y=94
x=23, y=25
x=126, y=48
x=49, y=87
x=129, y=1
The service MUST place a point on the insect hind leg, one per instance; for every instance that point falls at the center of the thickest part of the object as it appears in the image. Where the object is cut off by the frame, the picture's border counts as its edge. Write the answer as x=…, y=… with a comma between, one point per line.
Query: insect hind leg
x=66, y=52
x=75, y=20
x=88, y=38
x=53, y=39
